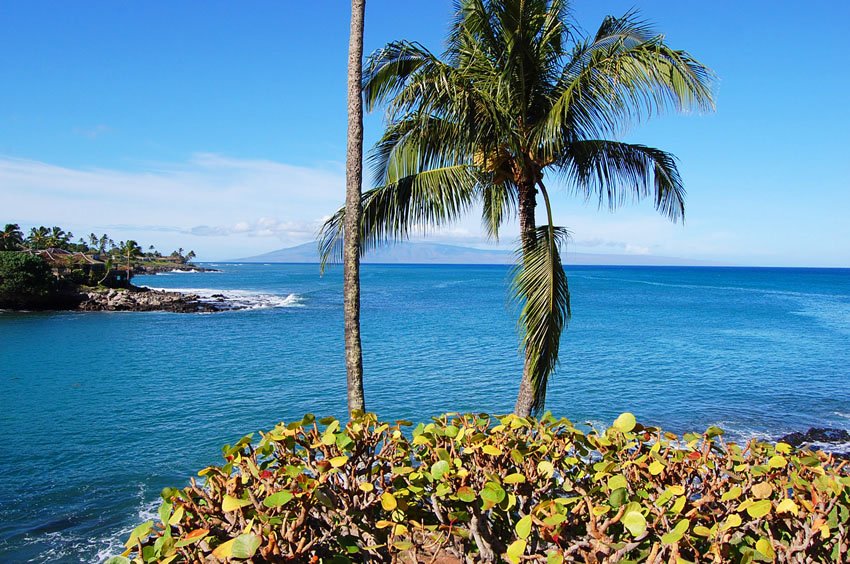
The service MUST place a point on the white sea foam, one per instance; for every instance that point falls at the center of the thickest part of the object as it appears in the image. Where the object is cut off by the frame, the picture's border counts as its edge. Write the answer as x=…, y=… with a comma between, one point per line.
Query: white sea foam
x=114, y=544
x=192, y=271
x=68, y=546
x=240, y=299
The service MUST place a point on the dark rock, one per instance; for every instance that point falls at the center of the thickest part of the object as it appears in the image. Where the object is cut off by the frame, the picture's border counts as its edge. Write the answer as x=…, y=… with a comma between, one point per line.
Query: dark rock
x=145, y=299
x=817, y=435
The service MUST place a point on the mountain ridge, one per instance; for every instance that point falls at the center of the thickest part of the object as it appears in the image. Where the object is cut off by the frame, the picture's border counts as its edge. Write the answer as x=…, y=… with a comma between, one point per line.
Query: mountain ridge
x=440, y=253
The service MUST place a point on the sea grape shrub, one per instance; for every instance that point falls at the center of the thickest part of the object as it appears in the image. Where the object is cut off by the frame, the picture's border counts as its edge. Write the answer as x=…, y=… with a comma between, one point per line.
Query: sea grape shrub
x=509, y=488
x=24, y=279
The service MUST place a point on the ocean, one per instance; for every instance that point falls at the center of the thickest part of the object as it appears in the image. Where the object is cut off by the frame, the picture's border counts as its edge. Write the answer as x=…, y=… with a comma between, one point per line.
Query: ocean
x=100, y=411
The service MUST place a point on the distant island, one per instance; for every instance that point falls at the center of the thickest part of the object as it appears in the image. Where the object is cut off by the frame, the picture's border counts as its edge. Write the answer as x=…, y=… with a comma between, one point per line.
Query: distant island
x=48, y=270
x=437, y=253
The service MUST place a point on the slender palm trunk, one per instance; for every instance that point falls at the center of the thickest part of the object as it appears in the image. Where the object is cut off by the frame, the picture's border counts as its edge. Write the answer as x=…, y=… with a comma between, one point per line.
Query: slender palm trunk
x=353, y=211
x=528, y=236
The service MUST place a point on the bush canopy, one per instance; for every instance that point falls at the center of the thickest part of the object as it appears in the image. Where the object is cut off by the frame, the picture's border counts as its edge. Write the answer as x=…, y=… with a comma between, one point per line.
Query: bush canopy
x=481, y=488
x=23, y=277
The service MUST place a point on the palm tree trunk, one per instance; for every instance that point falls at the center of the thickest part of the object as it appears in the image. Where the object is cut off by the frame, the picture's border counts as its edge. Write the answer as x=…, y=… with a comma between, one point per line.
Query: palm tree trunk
x=353, y=211
x=528, y=236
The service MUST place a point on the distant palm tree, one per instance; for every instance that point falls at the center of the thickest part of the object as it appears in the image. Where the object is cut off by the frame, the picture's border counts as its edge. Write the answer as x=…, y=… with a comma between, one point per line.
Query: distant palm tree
x=58, y=238
x=353, y=189
x=130, y=249
x=39, y=238
x=11, y=238
x=517, y=95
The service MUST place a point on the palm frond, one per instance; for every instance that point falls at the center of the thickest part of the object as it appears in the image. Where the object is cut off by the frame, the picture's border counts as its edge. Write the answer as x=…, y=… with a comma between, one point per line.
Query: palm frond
x=540, y=286
x=387, y=69
x=421, y=201
x=499, y=204
x=615, y=172
x=619, y=78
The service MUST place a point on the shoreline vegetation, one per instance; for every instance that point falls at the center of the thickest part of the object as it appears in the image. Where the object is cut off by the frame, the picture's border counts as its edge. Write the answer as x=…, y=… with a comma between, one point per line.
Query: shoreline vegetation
x=476, y=488
x=48, y=271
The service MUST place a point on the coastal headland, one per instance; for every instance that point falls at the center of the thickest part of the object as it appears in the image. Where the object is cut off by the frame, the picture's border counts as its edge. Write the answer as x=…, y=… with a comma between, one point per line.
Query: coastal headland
x=48, y=271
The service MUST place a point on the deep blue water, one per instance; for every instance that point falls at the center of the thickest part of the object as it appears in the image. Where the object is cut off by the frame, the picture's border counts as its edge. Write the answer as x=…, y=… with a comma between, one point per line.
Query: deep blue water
x=102, y=410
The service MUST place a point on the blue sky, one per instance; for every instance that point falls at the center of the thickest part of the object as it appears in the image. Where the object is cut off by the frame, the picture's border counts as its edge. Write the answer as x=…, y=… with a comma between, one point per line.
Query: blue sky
x=221, y=126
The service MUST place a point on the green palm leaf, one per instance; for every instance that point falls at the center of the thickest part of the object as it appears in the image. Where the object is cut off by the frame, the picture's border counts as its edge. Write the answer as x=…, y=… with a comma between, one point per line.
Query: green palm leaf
x=540, y=286
x=417, y=202
x=616, y=172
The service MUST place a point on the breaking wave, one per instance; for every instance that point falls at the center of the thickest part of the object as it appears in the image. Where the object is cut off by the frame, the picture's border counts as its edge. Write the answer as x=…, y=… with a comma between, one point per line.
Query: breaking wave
x=240, y=299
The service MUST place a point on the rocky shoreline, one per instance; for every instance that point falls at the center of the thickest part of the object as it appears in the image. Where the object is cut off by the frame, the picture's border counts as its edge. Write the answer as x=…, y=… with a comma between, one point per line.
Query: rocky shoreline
x=145, y=299
x=835, y=441
x=127, y=299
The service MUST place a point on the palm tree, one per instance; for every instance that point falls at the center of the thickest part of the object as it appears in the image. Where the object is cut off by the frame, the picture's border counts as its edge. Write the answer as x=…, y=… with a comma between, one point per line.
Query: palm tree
x=130, y=249
x=353, y=189
x=38, y=238
x=58, y=238
x=517, y=97
x=11, y=238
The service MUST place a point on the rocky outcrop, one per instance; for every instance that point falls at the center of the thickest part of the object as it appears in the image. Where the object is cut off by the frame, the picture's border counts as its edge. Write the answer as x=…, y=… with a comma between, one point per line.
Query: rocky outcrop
x=143, y=299
x=836, y=441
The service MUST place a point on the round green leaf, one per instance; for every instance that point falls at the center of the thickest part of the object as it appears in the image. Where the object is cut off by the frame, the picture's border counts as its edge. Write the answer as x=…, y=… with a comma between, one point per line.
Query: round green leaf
x=635, y=522
x=523, y=527
x=515, y=551
x=759, y=509
x=439, y=468
x=625, y=422
x=278, y=499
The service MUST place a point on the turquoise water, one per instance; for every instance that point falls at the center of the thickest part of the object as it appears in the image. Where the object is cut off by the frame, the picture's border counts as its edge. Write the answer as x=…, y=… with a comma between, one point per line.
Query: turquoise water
x=102, y=410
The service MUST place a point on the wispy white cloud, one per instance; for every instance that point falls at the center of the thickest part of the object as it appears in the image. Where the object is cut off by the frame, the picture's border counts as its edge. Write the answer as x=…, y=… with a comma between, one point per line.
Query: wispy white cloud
x=219, y=204
x=225, y=207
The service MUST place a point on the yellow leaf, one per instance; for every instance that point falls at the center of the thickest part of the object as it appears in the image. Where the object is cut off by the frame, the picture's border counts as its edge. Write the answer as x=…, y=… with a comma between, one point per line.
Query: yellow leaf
x=617, y=481
x=656, y=468
x=787, y=506
x=514, y=479
x=625, y=422
x=676, y=490
x=366, y=487
x=732, y=521
x=784, y=448
x=338, y=461
x=765, y=548
x=491, y=450
x=230, y=503
x=224, y=550
x=702, y=531
x=759, y=509
x=388, y=501
x=762, y=490
x=733, y=493
x=523, y=527
x=777, y=461
x=177, y=516
x=515, y=551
